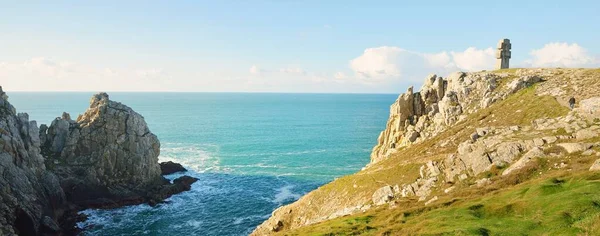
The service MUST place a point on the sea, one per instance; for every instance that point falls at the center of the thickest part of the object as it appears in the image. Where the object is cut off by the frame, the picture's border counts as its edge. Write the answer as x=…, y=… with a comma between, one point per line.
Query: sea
x=252, y=152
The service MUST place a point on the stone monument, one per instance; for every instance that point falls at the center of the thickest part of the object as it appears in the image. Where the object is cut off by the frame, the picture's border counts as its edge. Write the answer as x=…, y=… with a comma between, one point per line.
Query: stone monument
x=503, y=54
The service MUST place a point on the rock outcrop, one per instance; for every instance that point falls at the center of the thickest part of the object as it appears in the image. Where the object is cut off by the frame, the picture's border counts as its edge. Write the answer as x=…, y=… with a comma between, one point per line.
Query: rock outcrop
x=107, y=157
x=427, y=151
x=169, y=167
x=30, y=196
x=417, y=116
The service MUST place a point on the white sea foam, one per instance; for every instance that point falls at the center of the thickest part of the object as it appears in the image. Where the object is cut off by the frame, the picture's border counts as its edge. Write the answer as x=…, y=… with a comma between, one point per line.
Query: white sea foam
x=239, y=220
x=99, y=217
x=285, y=193
x=198, y=157
x=278, y=153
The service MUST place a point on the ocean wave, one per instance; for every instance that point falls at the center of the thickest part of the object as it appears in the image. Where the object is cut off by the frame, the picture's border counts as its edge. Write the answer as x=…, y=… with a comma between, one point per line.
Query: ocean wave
x=198, y=157
x=276, y=153
x=285, y=193
x=239, y=220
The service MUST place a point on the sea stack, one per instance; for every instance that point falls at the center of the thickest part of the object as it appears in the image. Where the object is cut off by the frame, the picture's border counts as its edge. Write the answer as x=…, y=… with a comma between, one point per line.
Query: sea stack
x=107, y=157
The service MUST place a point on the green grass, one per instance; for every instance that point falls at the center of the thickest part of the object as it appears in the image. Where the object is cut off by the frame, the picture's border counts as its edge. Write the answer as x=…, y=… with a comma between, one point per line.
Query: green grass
x=567, y=205
x=457, y=213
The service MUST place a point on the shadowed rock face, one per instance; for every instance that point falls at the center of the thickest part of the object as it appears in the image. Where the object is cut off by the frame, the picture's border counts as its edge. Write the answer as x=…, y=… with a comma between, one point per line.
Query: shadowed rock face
x=30, y=196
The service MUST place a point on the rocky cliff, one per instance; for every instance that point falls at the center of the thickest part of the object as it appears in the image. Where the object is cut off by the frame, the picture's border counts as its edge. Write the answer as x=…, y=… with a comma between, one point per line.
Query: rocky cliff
x=31, y=197
x=464, y=135
x=108, y=152
x=106, y=158
x=440, y=103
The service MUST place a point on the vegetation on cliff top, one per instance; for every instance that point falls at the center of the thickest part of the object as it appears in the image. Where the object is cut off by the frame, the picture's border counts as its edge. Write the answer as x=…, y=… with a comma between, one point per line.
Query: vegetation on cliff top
x=541, y=197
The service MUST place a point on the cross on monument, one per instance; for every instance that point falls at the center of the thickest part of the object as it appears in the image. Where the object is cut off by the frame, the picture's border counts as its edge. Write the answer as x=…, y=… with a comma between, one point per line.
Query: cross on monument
x=503, y=54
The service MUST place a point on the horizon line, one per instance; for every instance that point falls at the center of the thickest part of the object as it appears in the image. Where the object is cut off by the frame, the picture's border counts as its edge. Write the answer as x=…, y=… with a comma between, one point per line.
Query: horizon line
x=261, y=92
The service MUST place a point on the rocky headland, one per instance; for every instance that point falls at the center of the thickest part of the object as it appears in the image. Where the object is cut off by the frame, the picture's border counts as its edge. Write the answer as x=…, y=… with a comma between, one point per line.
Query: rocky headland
x=458, y=141
x=106, y=158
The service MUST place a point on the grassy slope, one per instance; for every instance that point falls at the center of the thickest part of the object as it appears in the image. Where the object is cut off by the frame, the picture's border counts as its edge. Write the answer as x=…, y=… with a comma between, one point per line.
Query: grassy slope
x=508, y=206
x=556, y=204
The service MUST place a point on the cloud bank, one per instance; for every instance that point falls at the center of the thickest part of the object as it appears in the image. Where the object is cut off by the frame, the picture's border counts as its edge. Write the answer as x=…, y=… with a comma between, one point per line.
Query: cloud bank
x=381, y=64
x=377, y=69
x=393, y=62
x=562, y=55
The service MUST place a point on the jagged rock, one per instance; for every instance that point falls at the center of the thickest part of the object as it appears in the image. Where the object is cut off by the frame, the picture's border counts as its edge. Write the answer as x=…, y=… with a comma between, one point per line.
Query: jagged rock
x=590, y=106
x=549, y=139
x=27, y=189
x=383, y=195
x=588, y=152
x=533, y=153
x=474, y=156
x=433, y=199
x=440, y=103
x=169, y=167
x=437, y=106
x=538, y=142
x=108, y=157
x=507, y=152
x=433, y=169
x=483, y=131
x=474, y=136
x=108, y=152
x=278, y=226
x=49, y=226
x=586, y=134
x=523, y=82
x=423, y=187
x=575, y=147
x=595, y=166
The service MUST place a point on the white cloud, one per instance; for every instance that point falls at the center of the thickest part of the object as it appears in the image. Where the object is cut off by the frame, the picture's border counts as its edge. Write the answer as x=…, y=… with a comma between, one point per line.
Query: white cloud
x=474, y=59
x=393, y=62
x=150, y=73
x=294, y=71
x=47, y=74
x=339, y=75
x=561, y=55
x=255, y=70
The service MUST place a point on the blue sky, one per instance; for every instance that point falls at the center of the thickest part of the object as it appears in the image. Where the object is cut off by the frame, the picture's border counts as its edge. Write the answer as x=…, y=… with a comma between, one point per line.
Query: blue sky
x=280, y=46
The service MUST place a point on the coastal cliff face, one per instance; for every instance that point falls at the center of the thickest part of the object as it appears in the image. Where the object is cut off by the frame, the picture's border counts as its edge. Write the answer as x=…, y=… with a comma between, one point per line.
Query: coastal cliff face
x=31, y=197
x=456, y=140
x=417, y=116
x=106, y=158
x=108, y=152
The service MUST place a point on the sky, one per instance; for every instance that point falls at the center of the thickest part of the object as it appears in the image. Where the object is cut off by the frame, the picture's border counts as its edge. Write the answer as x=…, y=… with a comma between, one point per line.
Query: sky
x=281, y=46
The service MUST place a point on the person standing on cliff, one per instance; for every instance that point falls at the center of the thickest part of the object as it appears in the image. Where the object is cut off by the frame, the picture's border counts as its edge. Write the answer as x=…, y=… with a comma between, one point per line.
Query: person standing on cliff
x=572, y=103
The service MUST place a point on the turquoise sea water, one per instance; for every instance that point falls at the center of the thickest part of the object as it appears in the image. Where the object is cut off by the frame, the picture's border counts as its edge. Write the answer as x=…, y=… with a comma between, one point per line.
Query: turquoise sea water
x=251, y=152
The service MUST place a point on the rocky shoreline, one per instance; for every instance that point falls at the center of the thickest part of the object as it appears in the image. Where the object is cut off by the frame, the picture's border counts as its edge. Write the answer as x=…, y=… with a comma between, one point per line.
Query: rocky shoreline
x=106, y=158
x=463, y=132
